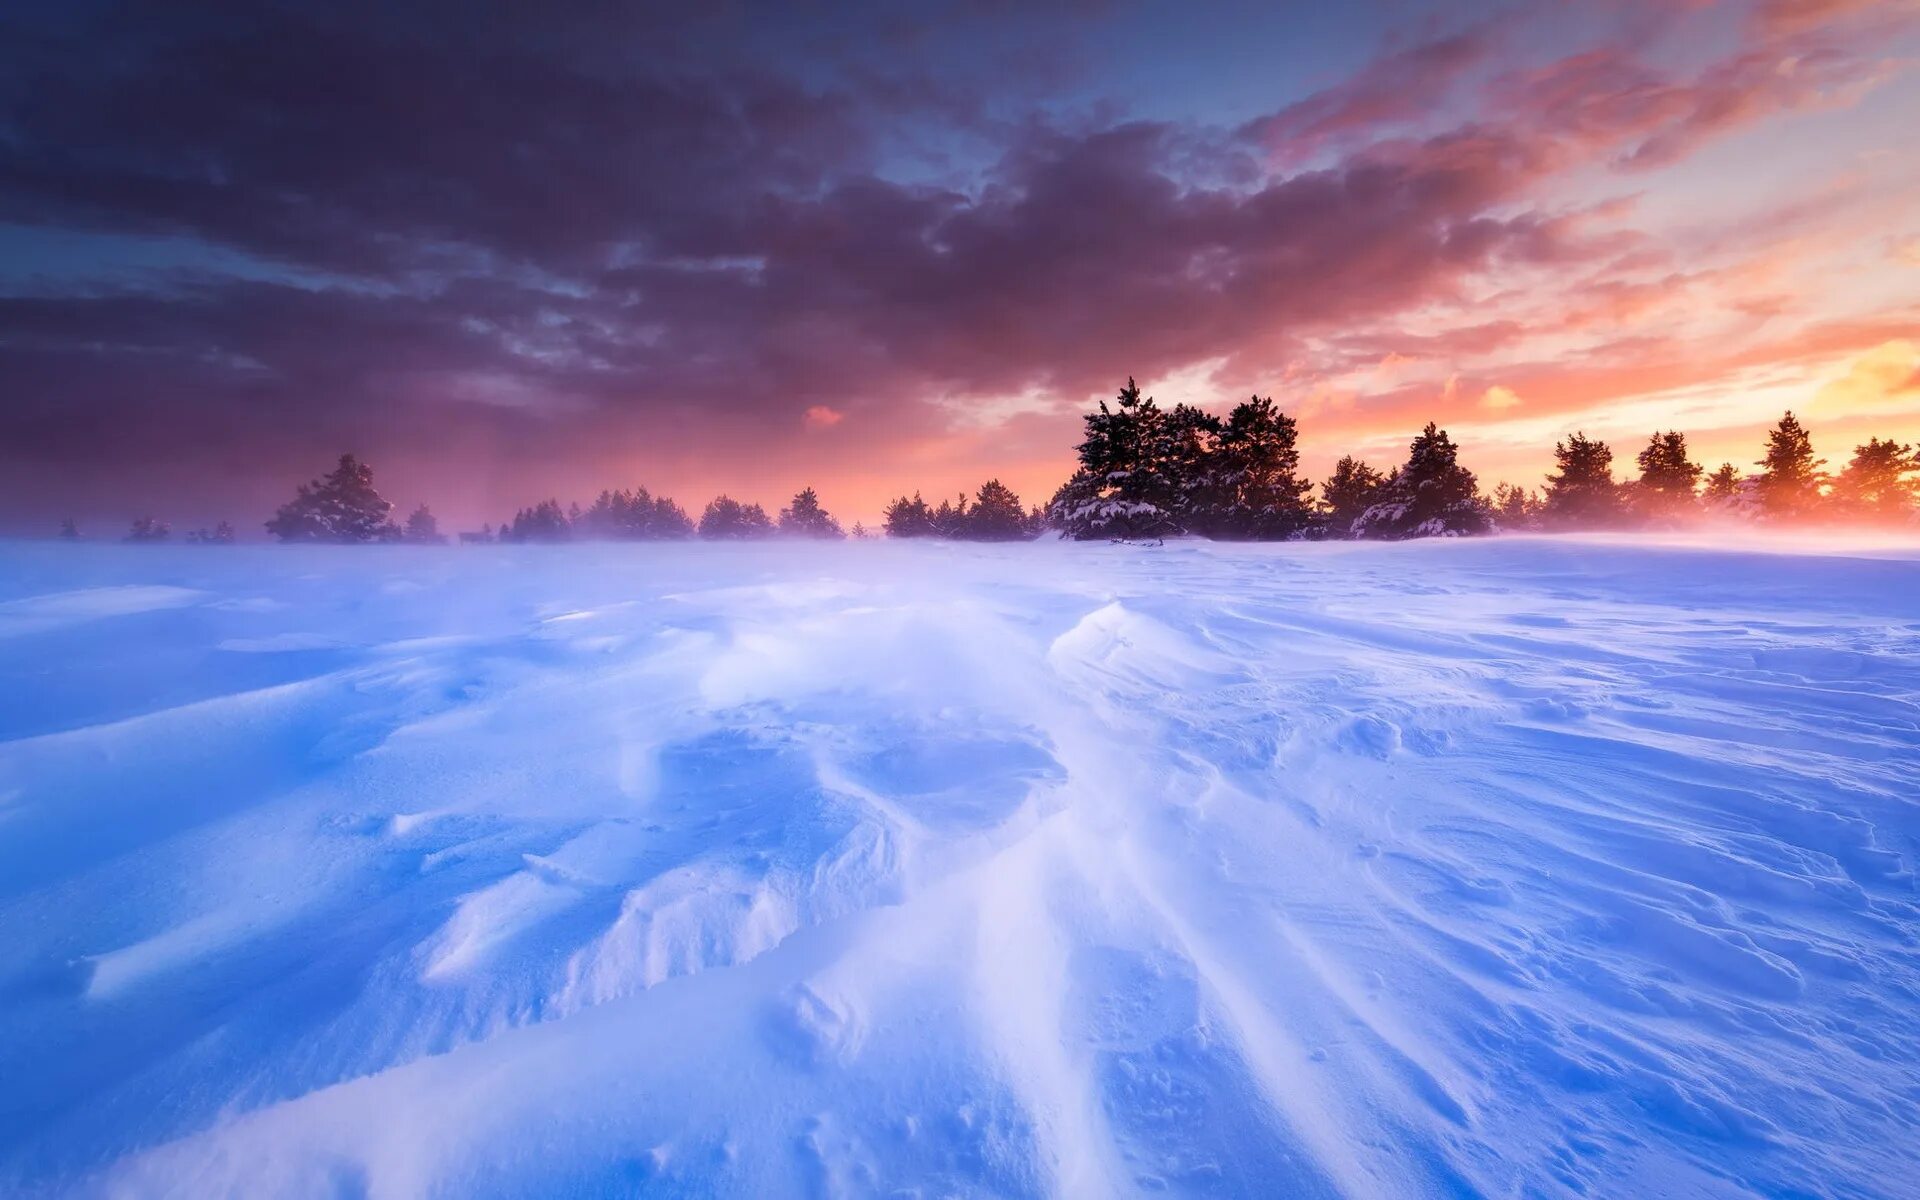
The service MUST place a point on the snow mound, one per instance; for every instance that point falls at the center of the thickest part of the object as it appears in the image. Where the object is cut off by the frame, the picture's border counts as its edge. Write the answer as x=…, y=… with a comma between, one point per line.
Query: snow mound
x=1516, y=867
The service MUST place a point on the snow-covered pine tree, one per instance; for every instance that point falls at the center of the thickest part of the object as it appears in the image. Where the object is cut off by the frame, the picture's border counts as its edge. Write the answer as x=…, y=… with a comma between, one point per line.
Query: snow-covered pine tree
x=1432, y=495
x=1121, y=491
x=1582, y=493
x=342, y=507
x=1253, y=476
x=1789, y=485
x=805, y=518
x=1348, y=492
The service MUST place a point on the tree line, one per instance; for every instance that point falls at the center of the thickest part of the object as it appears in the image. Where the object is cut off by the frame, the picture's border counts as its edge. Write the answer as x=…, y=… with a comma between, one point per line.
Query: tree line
x=1147, y=473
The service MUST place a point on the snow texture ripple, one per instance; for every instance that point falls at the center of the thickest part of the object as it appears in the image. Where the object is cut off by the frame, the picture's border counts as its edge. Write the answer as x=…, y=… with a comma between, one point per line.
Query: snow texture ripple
x=1522, y=867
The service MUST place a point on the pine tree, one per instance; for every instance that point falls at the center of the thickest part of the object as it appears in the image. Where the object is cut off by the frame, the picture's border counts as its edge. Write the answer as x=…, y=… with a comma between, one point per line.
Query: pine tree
x=805, y=518
x=1722, y=485
x=1789, y=486
x=422, y=529
x=1431, y=496
x=1516, y=509
x=1348, y=492
x=996, y=515
x=1582, y=493
x=1253, y=482
x=950, y=519
x=1123, y=492
x=544, y=522
x=69, y=532
x=146, y=529
x=909, y=518
x=1876, y=485
x=726, y=519
x=1668, y=480
x=343, y=507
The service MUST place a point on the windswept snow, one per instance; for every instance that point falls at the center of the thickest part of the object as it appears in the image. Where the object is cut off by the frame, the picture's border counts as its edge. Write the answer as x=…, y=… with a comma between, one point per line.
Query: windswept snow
x=1515, y=868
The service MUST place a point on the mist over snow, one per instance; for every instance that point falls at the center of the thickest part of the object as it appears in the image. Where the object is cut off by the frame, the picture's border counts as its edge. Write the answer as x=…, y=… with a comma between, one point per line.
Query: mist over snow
x=1510, y=867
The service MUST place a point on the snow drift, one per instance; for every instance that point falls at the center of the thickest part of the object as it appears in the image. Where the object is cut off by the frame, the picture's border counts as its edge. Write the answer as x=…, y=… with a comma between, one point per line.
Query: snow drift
x=1514, y=867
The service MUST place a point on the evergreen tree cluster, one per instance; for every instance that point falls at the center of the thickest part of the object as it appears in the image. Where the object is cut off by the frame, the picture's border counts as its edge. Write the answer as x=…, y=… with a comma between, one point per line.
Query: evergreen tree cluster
x=1146, y=473
x=994, y=514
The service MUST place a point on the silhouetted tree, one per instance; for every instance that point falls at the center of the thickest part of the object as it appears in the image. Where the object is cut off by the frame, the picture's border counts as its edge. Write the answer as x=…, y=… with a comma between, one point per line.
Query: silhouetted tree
x=1876, y=484
x=635, y=515
x=422, y=529
x=996, y=515
x=727, y=519
x=342, y=507
x=1120, y=491
x=146, y=529
x=1582, y=493
x=544, y=522
x=1432, y=495
x=950, y=519
x=220, y=535
x=909, y=518
x=1252, y=478
x=69, y=532
x=1348, y=492
x=1669, y=480
x=1789, y=484
x=805, y=518
x=1516, y=509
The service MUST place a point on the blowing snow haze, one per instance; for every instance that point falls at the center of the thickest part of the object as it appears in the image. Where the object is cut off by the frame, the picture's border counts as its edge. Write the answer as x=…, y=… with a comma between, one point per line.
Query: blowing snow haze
x=528, y=251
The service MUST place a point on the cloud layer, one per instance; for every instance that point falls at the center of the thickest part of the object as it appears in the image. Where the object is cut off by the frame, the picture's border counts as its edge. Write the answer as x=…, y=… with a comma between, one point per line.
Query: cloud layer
x=752, y=249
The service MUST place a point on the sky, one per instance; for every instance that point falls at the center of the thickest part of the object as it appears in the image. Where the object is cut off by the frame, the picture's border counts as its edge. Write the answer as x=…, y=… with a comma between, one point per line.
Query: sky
x=506, y=252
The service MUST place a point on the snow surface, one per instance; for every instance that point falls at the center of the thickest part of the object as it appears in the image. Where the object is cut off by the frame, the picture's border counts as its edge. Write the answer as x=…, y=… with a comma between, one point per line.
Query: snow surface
x=1508, y=867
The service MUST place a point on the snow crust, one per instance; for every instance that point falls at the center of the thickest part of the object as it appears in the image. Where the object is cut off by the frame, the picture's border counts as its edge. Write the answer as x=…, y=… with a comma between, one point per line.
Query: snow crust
x=1512, y=867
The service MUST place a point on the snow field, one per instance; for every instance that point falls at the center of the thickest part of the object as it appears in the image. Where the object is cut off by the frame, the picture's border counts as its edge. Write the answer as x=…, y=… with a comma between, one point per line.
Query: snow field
x=1515, y=867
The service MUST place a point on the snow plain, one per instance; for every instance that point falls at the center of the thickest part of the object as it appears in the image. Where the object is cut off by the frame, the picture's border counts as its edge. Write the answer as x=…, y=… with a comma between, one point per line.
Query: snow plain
x=1515, y=867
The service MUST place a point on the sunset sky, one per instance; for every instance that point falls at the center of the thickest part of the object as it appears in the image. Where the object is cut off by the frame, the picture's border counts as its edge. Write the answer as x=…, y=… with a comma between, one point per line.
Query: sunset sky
x=878, y=247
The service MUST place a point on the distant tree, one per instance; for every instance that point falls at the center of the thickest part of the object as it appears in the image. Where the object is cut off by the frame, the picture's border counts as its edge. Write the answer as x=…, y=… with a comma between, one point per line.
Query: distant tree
x=1722, y=484
x=1182, y=452
x=1582, y=493
x=422, y=529
x=950, y=519
x=1253, y=487
x=1432, y=495
x=726, y=519
x=1789, y=484
x=1348, y=492
x=1669, y=480
x=146, y=529
x=997, y=515
x=859, y=532
x=69, y=532
x=544, y=522
x=635, y=515
x=342, y=507
x=805, y=518
x=1516, y=509
x=220, y=535
x=1121, y=490
x=909, y=518
x=1877, y=484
